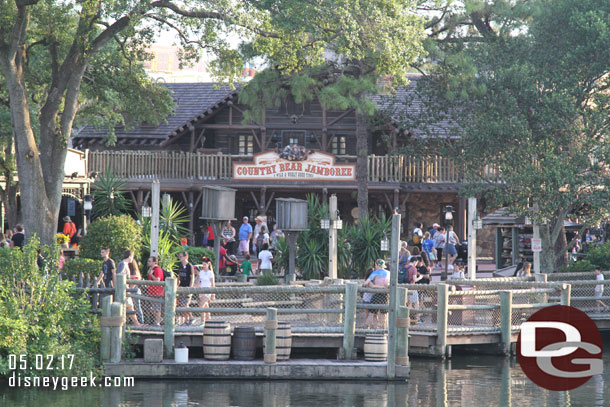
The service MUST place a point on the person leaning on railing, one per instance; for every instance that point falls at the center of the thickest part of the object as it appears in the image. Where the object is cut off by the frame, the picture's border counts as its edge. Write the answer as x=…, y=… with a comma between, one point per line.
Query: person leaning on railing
x=155, y=273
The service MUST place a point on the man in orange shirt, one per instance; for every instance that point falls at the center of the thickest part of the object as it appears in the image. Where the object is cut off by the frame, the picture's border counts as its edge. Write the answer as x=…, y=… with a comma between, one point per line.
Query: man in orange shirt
x=69, y=228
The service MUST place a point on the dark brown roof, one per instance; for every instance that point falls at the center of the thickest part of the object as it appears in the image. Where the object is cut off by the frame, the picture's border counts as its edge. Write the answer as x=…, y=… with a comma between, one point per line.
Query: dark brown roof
x=193, y=101
x=406, y=106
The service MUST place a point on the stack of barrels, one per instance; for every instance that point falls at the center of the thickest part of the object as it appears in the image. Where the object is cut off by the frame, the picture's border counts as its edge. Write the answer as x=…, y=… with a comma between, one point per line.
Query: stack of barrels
x=218, y=343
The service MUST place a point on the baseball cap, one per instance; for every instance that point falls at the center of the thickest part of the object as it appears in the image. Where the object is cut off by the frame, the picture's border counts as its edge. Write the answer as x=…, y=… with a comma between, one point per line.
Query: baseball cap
x=436, y=225
x=245, y=217
x=380, y=263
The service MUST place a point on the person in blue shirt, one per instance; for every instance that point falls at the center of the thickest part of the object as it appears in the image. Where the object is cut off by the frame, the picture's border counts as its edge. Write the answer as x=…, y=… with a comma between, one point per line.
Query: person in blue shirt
x=245, y=235
x=380, y=278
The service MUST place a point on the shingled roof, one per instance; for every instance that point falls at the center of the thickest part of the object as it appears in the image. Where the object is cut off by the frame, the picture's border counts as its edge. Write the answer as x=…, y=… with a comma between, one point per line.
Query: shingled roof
x=193, y=101
x=406, y=106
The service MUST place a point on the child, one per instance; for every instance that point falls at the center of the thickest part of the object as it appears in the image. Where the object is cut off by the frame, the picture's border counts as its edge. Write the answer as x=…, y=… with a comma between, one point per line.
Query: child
x=246, y=266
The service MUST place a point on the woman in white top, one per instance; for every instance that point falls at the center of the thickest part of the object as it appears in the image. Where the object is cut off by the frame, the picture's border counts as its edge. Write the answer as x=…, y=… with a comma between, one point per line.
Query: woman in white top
x=204, y=277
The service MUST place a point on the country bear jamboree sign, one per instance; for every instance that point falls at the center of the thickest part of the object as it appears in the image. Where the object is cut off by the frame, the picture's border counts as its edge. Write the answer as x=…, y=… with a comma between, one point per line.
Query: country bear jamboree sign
x=314, y=166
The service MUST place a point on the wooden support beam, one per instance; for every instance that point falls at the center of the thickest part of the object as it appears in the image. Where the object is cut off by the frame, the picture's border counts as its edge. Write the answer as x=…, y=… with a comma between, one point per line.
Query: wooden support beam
x=258, y=141
x=341, y=116
x=269, y=201
x=254, y=198
x=349, y=322
x=270, y=354
x=192, y=141
x=324, y=130
x=387, y=199
x=231, y=115
x=262, y=201
x=396, y=198
x=200, y=137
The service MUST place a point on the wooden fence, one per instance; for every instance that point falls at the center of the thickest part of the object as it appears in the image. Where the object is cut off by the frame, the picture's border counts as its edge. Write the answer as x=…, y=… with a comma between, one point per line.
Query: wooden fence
x=183, y=165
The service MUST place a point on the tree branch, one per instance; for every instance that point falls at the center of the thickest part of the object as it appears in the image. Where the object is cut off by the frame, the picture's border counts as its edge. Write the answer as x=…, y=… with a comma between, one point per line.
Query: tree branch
x=210, y=15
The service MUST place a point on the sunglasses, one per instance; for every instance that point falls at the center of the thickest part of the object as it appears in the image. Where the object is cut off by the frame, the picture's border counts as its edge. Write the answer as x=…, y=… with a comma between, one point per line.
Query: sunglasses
x=206, y=259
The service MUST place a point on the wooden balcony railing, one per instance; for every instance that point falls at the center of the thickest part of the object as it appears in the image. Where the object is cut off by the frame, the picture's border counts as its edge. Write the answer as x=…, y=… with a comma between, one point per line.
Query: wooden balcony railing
x=181, y=165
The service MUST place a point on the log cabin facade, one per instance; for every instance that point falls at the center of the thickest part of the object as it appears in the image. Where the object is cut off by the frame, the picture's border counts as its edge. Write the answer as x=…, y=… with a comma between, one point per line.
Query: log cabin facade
x=205, y=138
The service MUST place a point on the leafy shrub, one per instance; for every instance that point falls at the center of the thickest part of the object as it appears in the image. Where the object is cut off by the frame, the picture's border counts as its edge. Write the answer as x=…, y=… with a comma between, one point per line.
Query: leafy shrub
x=40, y=315
x=267, y=278
x=600, y=256
x=74, y=267
x=579, y=266
x=167, y=251
x=118, y=233
x=197, y=253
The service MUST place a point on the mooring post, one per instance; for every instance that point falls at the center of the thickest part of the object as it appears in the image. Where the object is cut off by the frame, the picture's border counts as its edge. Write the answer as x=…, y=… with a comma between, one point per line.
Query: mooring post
x=441, y=318
x=542, y=278
x=270, y=333
x=349, y=322
x=506, y=312
x=170, y=315
x=402, y=328
x=394, y=248
x=566, y=294
x=120, y=294
x=116, y=331
x=105, y=336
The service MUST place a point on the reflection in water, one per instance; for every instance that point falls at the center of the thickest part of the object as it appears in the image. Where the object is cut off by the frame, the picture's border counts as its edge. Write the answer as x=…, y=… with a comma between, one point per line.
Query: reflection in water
x=462, y=381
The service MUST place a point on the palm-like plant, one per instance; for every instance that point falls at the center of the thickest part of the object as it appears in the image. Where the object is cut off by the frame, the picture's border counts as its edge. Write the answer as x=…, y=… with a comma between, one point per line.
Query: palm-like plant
x=365, y=239
x=108, y=195
x=172, y=221
x=312, y=259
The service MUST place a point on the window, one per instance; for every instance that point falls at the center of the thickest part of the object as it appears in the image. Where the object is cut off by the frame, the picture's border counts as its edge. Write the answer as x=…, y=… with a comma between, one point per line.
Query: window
x=337, y=145
x=293, y=140
x=245, y=144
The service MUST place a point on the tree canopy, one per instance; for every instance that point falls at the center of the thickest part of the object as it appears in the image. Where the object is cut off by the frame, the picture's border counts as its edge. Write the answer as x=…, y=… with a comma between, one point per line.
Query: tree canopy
x=60, y=59
x=527, y=96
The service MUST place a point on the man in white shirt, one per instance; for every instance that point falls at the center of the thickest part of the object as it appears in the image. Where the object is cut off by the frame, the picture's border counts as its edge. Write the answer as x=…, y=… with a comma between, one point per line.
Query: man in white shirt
x=265, y=260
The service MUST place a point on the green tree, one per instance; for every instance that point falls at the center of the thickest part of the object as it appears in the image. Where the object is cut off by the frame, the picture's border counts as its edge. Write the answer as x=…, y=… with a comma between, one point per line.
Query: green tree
x=353, y=45
x=526, y=90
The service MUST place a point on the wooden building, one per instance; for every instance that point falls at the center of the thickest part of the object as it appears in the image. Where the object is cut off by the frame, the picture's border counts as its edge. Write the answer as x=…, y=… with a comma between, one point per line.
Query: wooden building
x=206, y=142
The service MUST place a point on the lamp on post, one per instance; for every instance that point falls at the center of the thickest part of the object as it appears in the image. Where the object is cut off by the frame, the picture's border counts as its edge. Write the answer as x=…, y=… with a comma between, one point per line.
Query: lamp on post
x=291, y=215
x=325, y=223
x=217, y=206
x=87, y=206
x=448, y=222
x=477, y=223
x=146, y=211
x=385, y=243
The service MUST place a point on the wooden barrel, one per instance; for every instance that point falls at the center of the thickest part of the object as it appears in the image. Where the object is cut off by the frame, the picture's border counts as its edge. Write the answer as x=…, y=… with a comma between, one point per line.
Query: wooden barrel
x=244, y=343
x=283, y=341
x=376, y=348
x=217, y=340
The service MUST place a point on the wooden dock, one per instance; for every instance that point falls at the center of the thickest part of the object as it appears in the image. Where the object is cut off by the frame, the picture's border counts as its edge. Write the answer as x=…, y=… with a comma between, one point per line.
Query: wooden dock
x=296, y=369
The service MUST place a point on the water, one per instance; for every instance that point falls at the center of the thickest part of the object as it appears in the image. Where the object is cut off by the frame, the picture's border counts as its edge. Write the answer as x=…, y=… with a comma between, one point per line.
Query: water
x=462, y=381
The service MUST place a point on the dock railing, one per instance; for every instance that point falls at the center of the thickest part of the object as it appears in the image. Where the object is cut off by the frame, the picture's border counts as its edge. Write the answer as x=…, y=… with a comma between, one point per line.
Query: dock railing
x=457, y=307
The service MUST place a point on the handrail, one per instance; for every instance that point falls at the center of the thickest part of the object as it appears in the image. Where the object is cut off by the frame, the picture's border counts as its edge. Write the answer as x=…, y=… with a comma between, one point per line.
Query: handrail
x=133, y=164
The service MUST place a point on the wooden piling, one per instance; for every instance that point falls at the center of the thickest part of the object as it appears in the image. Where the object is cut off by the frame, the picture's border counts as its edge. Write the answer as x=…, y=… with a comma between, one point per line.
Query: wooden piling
x=170, y=315
x=566, y=293
x=402, y=328
x=270, y=334
x=105, y=336
x=506, y=312
x=441, y=318
x=120, y=294
x=116, y=332
x=394, y=247
x=349, y=322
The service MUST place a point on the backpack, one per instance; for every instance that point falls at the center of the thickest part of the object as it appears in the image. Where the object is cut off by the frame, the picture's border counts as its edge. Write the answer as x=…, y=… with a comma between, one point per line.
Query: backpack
x=416, y=239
